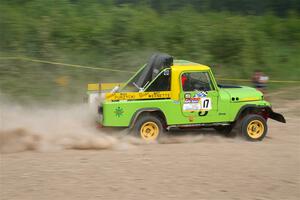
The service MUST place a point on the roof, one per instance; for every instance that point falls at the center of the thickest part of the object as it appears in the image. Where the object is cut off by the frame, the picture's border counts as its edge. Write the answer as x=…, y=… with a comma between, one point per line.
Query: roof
x=184, y=65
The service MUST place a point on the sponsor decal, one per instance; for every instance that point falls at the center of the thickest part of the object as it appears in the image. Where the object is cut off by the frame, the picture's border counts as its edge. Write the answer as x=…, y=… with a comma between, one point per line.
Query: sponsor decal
x=191, y=107
x=187, y=95
x=137, y=95
x=119, y=111
x=197, y=104
x=200, y=94
x=192, y=100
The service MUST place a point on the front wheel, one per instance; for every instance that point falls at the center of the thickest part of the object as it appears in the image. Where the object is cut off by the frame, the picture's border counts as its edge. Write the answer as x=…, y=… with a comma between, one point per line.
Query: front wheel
x=254, y=127
x=148, y=128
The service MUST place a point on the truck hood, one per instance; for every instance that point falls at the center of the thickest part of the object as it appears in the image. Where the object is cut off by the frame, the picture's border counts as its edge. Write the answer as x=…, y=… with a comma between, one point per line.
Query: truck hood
x=243, y=93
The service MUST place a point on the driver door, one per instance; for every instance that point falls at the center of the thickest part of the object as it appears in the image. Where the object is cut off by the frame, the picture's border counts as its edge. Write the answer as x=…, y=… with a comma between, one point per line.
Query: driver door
x=198, y=97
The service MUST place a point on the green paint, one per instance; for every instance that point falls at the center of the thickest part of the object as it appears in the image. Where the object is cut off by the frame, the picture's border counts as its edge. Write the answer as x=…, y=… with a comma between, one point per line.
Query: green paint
x=221, y=103
x=223, y=108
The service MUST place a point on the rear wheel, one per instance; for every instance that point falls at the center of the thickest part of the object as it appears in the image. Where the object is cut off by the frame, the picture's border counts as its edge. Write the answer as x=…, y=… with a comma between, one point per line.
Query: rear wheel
x=254, y=127
x=148, y=127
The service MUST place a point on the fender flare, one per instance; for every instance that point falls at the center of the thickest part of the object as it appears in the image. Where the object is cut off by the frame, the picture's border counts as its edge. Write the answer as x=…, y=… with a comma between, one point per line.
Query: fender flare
x=138, y=112
x=267, y=109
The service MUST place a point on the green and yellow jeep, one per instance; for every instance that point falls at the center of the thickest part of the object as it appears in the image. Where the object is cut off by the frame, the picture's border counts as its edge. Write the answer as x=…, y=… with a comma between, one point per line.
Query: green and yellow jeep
x=166, y=94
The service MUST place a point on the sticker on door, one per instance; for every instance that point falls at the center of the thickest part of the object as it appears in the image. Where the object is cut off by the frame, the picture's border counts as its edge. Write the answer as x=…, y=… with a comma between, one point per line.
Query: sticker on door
x=201, y=104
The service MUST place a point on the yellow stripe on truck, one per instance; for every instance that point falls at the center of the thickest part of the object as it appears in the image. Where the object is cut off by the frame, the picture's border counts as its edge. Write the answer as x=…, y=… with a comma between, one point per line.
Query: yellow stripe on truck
x=137, y=95
x=250, y=99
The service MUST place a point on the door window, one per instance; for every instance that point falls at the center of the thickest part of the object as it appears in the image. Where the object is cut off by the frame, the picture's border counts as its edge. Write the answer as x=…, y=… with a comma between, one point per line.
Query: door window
x=196, y=81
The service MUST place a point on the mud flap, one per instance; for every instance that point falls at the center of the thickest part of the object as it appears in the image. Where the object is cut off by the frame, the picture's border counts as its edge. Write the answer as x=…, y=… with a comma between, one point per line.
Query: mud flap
x=276, y=116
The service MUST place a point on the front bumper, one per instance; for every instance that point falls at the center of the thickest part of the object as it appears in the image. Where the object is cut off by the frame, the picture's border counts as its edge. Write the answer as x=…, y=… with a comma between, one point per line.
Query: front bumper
x=276, y=116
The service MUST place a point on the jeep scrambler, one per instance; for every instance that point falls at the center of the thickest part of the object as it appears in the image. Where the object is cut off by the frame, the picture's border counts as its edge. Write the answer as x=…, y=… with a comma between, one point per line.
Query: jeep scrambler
x=164, y=94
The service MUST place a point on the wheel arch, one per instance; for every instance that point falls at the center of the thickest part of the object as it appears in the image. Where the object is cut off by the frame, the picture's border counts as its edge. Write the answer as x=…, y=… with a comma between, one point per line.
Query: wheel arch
x=152, y=111
x=264, y=111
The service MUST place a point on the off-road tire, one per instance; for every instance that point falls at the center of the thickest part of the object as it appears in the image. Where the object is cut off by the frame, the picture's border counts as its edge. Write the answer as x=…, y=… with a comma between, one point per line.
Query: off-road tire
x=254, y=127
x=153, y=123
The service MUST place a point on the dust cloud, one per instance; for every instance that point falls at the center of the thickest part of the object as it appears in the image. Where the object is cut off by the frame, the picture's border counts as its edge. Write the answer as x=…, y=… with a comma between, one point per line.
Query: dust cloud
x=51, y=128
x=45, y=128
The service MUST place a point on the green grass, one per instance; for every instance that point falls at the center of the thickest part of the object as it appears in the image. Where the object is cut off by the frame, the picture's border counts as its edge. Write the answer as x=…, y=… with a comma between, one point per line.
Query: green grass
x=124, y=37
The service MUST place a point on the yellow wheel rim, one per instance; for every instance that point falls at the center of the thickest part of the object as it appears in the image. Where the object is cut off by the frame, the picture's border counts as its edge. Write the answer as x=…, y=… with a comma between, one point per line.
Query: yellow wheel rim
x=255, y=129
x=149, y=131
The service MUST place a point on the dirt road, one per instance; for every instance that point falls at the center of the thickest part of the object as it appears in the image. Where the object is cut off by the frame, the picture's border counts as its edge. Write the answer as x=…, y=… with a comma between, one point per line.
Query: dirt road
x=205, y=166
